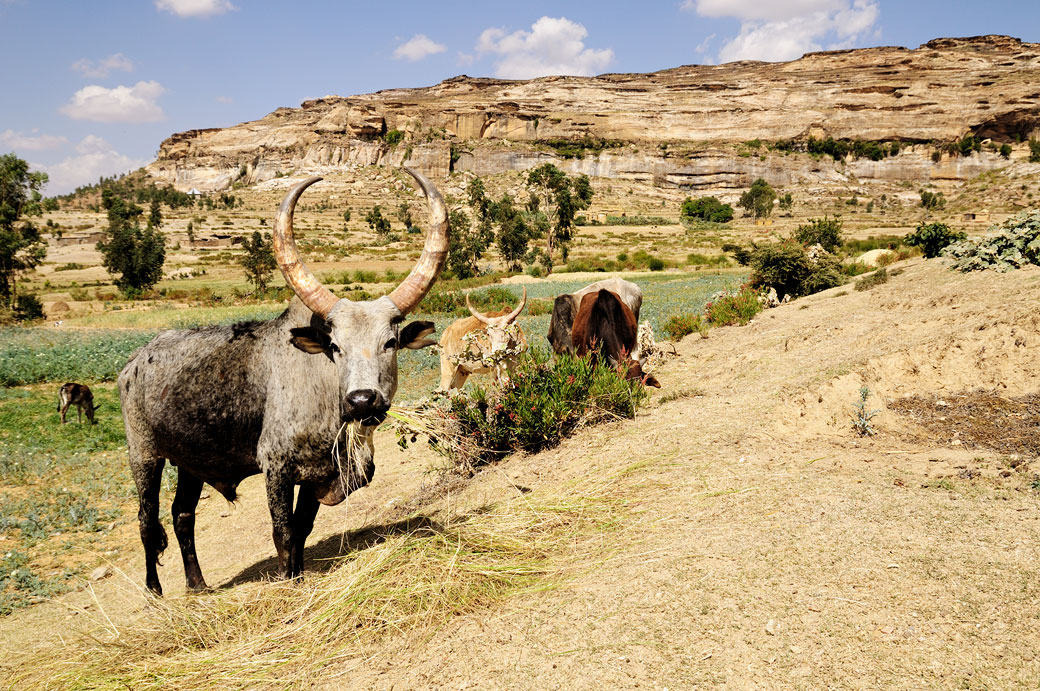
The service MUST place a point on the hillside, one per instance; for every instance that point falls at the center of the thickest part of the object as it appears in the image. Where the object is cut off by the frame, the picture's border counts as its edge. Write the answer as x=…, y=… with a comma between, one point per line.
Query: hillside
x=737, y=534
x=678, y=128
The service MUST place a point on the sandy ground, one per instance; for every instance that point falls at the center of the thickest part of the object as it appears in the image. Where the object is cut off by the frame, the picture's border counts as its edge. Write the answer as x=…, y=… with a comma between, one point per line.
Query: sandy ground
x=766, y=545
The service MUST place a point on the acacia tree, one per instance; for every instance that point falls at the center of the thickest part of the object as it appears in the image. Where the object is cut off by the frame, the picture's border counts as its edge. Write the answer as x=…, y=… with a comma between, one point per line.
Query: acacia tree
x=759, y=199
x=560, y=198
x=259, y=261
x=21, y=246
x=136, y=254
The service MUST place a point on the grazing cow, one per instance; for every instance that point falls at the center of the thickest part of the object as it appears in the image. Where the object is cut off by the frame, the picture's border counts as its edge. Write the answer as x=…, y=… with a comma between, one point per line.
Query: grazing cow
x=605, y=326
x=480, y=344
x=80, y=396
x=225, y=402
x=565, y=308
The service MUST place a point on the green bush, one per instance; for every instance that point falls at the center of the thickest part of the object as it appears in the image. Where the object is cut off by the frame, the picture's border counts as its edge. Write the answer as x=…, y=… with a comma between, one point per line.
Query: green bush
x=27, y=308
x=706, y=209
x=787, y=267
x=655, y=264
x=680, y=325
x=1005, y=151
x=1016, y=245
x=933, y=238
x=733, y=309
x=824, y=231
x=696, y=259
x=873, y=280
x=545, y=401
x=1034, y=150
x=393, y=137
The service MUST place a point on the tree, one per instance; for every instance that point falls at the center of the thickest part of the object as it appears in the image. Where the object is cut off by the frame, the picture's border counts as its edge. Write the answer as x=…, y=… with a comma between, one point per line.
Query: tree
x=21, y=245
x=933, y=238
x=377, y=222
x=559, y=198
x=154, y=215
x=759, y=199
x=259, y=261
x=514, y=233
x=706, y=209
x=191, y=233
x=1034, y=150
x=931, y=201
x=786, y=202
x=136, y=255
x=1005, y=151
x=404, y=215
x=820, y=231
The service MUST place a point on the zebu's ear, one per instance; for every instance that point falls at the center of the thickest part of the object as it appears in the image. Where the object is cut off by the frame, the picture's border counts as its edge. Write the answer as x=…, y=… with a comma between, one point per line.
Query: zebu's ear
x=312, y=341
x=412, y=335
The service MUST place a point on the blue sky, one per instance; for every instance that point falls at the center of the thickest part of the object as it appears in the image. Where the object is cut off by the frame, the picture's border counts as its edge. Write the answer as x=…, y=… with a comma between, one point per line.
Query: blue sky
x=93, y=87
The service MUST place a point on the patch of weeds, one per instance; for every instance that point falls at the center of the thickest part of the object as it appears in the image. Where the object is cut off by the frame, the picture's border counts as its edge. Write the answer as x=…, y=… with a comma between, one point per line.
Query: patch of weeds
x=680, y=325
x=733, y=309
x=873, y=280
x=862, y=416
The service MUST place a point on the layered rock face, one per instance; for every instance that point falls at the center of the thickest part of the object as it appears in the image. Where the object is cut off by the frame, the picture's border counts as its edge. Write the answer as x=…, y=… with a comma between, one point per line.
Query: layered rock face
x=675, y=128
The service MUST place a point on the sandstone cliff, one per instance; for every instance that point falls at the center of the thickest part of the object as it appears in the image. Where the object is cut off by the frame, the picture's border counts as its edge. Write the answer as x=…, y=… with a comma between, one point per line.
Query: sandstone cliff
x=679, y=127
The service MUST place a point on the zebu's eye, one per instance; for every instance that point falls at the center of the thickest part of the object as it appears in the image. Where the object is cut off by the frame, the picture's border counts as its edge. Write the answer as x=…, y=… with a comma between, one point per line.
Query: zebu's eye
x=391, y=344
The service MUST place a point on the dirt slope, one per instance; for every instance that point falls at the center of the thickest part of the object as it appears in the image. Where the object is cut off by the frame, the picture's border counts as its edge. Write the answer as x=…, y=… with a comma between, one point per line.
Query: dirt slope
x=771, y=549
x=762, y=544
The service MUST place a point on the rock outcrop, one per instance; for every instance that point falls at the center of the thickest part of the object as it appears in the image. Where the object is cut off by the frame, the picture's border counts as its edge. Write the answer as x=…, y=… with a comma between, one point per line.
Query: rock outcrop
x=678, y=127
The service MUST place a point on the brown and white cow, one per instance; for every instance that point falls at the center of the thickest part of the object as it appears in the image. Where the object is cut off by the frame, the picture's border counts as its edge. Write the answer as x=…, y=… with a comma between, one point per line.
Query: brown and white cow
x=481, y=344
x=79, y=395
x=605, y=327
x=565, y=309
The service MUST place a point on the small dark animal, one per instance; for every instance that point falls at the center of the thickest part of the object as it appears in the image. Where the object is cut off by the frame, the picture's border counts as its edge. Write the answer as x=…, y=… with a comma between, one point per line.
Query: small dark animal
x=565, y=309
x=80, y=396
x=606, y=327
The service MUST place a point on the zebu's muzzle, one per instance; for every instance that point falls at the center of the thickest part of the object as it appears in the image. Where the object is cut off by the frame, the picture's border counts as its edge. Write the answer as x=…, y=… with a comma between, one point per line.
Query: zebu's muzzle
x=366, y=406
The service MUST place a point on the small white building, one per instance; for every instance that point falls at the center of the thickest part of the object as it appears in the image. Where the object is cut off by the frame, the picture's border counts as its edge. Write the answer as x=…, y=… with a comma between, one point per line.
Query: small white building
x=194, y=192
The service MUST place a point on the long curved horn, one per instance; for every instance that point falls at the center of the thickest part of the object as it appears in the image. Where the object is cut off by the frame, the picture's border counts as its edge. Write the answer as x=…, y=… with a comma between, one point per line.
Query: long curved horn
x=317, y=297
x=475, y=313
x=410, y=293
x=520, y=308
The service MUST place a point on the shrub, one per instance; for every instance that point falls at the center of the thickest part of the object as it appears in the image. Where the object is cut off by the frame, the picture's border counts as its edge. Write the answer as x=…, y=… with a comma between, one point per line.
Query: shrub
x=822, y=231
x=655, y=264
x=545, y=401
x=393, y=137
x=873, y=280
x=932, y=200
x=733, y=309
x=787, y=267
x=1016, y=245
x=680, y=325
x=706, y=209
x=933, y=238
x=696, y=259
x=1005, y=151
x=27, y=307
x=1034, y=150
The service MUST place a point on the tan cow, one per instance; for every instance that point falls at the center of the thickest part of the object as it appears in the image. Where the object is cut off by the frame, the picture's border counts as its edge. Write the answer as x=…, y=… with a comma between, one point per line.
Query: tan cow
x=481, y=344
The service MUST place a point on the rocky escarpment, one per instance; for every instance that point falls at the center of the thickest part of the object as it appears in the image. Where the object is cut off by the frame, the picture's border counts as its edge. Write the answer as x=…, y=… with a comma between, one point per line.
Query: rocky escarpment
x=678, y=127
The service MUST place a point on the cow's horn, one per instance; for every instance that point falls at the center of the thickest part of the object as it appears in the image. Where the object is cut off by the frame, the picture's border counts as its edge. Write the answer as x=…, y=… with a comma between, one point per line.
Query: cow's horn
x=520, y=308
x=317, y=297
x=410, y=293
x=475, y=313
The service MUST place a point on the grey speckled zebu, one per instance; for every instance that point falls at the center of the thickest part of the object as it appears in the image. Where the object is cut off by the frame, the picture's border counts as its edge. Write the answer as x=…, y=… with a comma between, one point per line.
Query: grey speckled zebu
x=223, y=403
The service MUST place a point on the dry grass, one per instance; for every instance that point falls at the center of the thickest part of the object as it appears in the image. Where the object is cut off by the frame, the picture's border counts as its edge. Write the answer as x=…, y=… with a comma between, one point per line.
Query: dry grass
x=397, y=582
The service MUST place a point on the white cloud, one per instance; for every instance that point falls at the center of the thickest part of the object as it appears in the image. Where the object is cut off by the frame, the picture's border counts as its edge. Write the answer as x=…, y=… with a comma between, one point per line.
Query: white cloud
x=787, y=29
x=552, y=46
x=29, y=142
x=95, y=158
x=102, y=68
x=224, y=99
x=132, y=104
x=417, y=48
x=195, y=8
